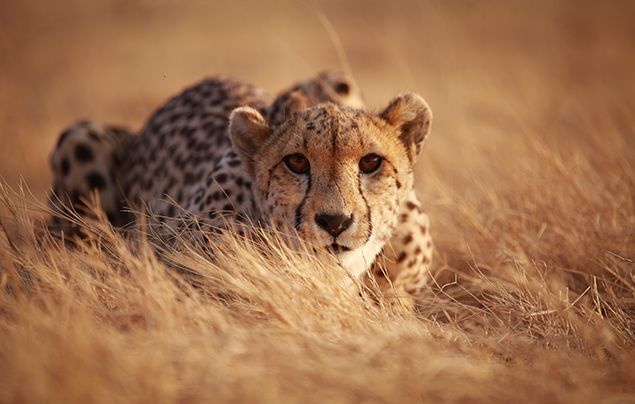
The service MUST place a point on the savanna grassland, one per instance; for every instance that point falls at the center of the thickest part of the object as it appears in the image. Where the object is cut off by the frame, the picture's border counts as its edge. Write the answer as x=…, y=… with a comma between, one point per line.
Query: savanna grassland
x=528, y=176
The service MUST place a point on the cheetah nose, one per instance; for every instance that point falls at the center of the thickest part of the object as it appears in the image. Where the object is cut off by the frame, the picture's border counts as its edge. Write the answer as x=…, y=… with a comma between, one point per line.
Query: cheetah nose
x=333, y=224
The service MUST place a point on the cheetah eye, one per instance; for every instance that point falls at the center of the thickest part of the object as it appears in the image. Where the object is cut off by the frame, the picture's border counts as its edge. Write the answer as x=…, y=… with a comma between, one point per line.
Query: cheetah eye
x=297, y=163
x=370, y=163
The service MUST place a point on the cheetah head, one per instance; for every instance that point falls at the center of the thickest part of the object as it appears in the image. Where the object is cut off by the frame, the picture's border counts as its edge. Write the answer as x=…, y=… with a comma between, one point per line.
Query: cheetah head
x=334, y=174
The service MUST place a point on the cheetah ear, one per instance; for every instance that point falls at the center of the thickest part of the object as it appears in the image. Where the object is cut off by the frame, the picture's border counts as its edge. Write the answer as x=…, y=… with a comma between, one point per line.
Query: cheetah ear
x=342, y=88
x=296, y=102
x=248, y=131
x=410, y=114
x=285, y=105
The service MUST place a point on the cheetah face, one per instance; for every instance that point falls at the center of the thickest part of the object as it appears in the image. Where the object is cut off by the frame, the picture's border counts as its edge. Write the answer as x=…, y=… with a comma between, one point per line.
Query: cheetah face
x=335, y=175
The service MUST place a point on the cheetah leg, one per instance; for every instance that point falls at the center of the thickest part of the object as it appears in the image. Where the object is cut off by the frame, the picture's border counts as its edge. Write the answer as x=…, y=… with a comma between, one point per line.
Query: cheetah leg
x=402, y=270
x=83, y=162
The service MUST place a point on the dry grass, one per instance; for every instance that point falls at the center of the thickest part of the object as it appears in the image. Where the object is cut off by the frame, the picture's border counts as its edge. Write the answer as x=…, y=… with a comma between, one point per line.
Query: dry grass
x=529, y=179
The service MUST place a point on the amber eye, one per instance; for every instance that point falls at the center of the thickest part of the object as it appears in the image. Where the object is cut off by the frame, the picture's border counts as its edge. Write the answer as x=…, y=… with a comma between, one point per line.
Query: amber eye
x=297, y=163
x=370, y=163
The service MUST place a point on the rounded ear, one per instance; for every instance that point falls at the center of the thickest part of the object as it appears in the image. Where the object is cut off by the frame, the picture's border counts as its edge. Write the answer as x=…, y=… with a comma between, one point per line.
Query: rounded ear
x=285, y=105
x=295, y=102
x=337, y=81
x=410, y=114
x=248, y=131
x=342, y=89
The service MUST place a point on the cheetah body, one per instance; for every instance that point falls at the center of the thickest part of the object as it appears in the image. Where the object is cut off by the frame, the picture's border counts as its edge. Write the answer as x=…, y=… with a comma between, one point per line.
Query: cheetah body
x=219, y=150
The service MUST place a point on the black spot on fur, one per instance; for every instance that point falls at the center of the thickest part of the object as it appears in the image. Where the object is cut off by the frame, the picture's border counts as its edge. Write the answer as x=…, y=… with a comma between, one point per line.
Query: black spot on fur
x=342, y=88
x=83, y=153
x=192, y=143
x=191, y=178
x=174, y=117
x=198, y=197
x=112, y=217
x=96, y=180
x=65, y=166
x=188, y=131
x=221, y=178
x=75, y=197
x=402, y=257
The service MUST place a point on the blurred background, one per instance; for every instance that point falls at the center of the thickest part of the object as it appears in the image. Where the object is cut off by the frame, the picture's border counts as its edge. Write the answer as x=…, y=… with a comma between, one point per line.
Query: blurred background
x=495, y=73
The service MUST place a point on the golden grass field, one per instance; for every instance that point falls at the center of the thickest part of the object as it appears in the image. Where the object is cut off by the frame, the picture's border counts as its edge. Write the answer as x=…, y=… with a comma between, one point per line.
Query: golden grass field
x=528, y=176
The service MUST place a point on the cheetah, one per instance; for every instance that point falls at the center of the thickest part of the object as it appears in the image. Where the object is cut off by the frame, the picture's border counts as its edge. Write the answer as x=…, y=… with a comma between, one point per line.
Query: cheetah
x=311, y=160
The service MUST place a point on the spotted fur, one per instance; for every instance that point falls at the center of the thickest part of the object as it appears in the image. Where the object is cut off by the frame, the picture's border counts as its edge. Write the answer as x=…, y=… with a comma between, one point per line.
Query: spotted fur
x=82, y=165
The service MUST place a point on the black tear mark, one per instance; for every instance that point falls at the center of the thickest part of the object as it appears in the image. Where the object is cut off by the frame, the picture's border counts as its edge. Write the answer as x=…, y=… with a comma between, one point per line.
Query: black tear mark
x=96, y=180
x=368, y=214
x=271, y=170
x=298, y=211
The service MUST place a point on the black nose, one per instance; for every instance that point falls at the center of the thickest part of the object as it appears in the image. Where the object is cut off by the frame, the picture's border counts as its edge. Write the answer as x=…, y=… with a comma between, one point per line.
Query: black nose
x=334, y=224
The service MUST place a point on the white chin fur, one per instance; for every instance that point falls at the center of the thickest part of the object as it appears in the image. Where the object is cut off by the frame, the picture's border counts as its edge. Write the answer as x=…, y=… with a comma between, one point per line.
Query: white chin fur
x=358, y=261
